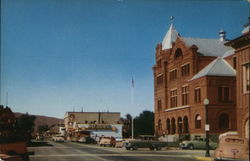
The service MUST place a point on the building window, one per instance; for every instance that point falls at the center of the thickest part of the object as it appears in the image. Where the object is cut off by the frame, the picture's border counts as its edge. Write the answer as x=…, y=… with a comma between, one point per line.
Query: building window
x=173, y=74
x=246, y=78
x=185, y=70
x=197, y=121
x=159, y=63
x=223, y=94
x=159, y=80
x=168, y=126
x=178, y=53
x=185, y=95
x=224, y=121
x=159, y=105
x=179, y=125
x=173, y=126
x=185, y=121
x=173, y=98
x=197, y=95
x=234, y=62
x=159, y=125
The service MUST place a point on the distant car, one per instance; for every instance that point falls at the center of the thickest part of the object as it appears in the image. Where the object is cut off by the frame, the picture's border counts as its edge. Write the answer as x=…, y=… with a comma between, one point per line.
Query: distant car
x=82, y=139
x=39, y=138
x=199, y=143
x=144, y=141
x=107, y=141
x=232, y=148
x=58, y=139
x=73, y=139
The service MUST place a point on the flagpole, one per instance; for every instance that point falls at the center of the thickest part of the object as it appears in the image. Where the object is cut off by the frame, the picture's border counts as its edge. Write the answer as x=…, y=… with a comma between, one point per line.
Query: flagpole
x=132, y=103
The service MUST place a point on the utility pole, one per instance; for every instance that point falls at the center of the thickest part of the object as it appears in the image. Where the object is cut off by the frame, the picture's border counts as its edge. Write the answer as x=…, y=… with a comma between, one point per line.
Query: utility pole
x=132, y=104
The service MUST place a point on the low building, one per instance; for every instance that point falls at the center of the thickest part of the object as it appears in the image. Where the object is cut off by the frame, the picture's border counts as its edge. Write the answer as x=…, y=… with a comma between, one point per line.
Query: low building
x=94, y=124
x=7, y=123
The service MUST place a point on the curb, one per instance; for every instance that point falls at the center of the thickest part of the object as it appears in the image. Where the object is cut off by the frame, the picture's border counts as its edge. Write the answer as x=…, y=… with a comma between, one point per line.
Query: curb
x=204, y=158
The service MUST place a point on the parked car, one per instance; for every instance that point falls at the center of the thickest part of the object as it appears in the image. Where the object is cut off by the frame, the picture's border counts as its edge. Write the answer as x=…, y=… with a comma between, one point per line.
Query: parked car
x=199, y=143
x=13, y=148
x=58, y=138
x=5, y=157
x=144, y=141
x=82, y=140
x=107, y=141
x=232, y=148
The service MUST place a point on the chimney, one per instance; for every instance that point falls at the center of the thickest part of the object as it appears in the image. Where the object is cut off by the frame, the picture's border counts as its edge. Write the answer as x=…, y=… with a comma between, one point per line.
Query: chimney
x=222, y=35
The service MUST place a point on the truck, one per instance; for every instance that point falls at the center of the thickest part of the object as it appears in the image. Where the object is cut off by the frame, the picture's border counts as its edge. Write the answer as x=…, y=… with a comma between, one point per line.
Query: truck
x=145, y=141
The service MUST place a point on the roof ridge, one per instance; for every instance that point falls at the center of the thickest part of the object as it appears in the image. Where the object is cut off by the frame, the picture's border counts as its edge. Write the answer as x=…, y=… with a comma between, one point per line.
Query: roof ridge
x=200, y=38
x=215, y=61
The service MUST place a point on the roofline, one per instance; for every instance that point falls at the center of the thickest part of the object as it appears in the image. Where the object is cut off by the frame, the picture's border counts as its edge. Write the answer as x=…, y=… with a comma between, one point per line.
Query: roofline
x=91, y=112
x=229, y=43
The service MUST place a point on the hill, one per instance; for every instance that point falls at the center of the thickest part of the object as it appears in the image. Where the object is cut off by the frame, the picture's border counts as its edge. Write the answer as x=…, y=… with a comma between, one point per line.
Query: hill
x=41, y=120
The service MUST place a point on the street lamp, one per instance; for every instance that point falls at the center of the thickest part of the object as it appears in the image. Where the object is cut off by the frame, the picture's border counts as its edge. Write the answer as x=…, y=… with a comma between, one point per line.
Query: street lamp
x=206, y=102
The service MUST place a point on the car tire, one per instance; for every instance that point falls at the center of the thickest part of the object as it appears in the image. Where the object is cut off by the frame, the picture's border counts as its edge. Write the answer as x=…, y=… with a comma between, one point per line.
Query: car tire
x=11, y=153
x=158, y=148
x=134, y=147
x=151, y=148
x=191, y=147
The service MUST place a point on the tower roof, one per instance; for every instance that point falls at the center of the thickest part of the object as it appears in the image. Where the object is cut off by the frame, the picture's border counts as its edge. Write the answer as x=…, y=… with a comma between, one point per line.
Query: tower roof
x=169, y=38
x=218, y=67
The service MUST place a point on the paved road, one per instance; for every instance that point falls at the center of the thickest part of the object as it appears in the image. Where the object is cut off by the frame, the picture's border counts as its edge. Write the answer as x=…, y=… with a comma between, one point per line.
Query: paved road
x=81, y=152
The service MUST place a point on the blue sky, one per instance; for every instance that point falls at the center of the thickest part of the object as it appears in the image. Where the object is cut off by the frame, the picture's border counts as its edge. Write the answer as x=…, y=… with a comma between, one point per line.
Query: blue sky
x=60, y=55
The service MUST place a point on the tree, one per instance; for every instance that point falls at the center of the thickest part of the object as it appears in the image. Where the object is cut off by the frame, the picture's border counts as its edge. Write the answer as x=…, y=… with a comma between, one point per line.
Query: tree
x=25, y=127
x=127, y=126
x=144, y=123
x=43, y=128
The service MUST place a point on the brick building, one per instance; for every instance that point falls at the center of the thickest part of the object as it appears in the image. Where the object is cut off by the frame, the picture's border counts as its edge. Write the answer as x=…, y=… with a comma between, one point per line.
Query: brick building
x=7, y=123
x=241, y=60
x=187, y=71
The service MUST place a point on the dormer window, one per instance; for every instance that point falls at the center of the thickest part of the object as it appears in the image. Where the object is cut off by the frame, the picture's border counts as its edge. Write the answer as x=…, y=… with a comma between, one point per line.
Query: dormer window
x=178, y=53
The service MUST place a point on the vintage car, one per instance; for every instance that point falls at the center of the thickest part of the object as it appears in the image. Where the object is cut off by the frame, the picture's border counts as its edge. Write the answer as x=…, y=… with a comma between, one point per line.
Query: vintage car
x=58, y=138
x=13, y=148
x=5, y=157
x=144, y=141
x=199, y=143
x=232, y=148
x=107, y=141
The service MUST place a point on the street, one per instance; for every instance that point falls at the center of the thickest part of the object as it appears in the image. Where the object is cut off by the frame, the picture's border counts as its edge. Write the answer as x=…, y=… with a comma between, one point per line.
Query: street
x=82, y=152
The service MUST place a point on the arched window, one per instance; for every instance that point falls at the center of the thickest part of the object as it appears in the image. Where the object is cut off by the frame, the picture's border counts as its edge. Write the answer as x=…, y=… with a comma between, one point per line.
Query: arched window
x=185, y=122
x=178, y=53
x=224, y=121
x=159, y=125
x=168, y=126
x=197, y=121
x=173, y=126
x=179, y=125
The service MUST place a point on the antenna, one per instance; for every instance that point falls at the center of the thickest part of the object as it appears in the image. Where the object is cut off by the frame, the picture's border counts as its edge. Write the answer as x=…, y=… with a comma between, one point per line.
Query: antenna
x=7, y=98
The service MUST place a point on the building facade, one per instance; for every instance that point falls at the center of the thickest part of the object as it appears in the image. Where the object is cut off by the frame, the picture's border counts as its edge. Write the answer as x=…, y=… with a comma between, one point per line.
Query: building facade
x=188, y=70
x=94, y=124
x=242, y=64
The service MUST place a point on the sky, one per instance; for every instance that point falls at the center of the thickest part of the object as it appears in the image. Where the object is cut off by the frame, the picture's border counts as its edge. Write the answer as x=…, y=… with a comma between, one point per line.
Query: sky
x=81, y=55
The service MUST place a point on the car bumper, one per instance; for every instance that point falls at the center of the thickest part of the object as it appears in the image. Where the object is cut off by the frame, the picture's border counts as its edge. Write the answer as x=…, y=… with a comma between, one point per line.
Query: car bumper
x=228, y=159
x=183, y=146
